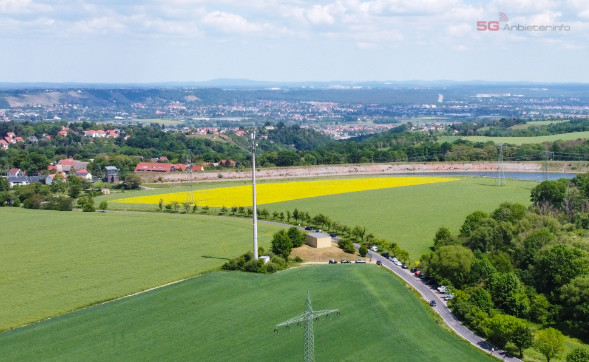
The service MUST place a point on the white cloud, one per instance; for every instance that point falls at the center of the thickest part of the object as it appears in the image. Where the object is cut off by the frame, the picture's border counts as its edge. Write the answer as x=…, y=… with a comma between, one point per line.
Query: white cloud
x=22, y=6
x=102, y=25
x=320, y=15
x=459, y=30
x=232, y=23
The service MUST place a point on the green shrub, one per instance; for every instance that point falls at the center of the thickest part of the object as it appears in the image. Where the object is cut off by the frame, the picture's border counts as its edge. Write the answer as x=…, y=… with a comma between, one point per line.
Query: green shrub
x=363, y=250
x=103, y=205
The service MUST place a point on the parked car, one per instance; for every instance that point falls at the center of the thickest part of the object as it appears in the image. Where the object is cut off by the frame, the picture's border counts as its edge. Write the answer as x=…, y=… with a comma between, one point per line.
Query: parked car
x=333, y=235
x=308, y=228
x=404, y=266
x=386, y=255
x=360, y=261
x=413, y=270
x=417, y=272
x=398, y=263
x=448, y=296
x=331, y=261
x=378, y=262
x=432, y=303
x=442, y=289
x=345, y=261
x=374, y=248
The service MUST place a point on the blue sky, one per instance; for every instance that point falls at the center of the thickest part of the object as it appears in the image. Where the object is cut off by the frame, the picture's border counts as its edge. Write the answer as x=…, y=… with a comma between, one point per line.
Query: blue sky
x=111, y=41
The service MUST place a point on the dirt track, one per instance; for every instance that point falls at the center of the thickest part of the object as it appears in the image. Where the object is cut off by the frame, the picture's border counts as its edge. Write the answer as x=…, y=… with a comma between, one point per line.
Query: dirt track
x=366, y=169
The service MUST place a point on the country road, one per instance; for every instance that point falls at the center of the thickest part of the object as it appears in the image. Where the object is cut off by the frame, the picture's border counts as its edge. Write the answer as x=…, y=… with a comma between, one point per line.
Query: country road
x=441, y=308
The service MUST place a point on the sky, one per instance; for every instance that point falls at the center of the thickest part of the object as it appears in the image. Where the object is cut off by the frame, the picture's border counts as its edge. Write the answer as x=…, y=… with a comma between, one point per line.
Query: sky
x=132, y=41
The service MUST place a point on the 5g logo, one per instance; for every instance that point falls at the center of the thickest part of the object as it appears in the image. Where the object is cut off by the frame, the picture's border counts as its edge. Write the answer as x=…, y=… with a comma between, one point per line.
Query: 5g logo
x=491, y=25
x=487, y=25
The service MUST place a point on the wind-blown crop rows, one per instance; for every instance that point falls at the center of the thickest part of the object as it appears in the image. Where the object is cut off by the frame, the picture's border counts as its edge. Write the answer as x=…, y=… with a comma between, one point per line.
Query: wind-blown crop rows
x=278, y=192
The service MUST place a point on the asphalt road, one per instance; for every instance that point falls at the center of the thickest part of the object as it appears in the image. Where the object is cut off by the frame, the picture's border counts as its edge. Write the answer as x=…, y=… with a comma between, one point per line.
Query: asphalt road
x=442, y=309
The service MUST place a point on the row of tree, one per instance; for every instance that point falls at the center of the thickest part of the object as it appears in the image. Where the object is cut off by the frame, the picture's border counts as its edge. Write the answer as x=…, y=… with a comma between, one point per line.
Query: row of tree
x=277, y=146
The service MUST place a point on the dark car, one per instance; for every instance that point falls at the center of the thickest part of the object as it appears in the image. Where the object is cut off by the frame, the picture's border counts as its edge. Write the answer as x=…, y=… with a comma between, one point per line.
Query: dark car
x=386, y=254
x=378, y=262
x=432, y=303
x=308, y=228
x=404, y=266
x=333, y=235
x=413, y=270
x=331, y=261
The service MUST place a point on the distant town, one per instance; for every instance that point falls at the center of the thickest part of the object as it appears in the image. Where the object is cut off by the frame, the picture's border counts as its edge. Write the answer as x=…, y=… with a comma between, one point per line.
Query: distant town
x=339, y=112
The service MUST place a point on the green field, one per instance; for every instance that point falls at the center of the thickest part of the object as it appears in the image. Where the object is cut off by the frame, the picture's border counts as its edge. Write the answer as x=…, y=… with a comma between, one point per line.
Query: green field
x=537, y=123
x=411, y=215
x=226, y=316
x=55, y=262
x=151, y=120
x=408, y=215
x=519, y=140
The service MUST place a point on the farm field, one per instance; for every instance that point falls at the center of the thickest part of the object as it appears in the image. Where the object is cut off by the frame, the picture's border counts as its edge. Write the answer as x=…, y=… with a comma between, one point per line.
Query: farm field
x=55, y=262
x=408, y=215
x=225, y=316
x=282, y=191
x=411, y=216
x=519, y=140
x=537, y=123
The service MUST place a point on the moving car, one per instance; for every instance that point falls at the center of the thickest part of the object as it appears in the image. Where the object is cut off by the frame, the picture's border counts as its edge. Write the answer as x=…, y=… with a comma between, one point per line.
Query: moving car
x=432, y=303
x=378, y=262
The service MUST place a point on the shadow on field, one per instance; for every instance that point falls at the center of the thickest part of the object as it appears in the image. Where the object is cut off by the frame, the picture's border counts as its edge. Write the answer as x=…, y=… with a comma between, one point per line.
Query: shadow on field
x=214, y=257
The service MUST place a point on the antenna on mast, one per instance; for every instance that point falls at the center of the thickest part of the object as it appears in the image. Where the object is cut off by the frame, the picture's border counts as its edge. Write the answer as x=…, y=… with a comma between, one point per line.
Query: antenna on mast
x=253, y=145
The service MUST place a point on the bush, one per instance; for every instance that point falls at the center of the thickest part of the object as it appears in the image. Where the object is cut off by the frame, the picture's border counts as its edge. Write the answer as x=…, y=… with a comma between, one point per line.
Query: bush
x=578, y=355
x=363, y=250
x=33, y=202
x=59, y=203
x=103, y=205
x=297, y=237
x=247, y=263
x=346, y=245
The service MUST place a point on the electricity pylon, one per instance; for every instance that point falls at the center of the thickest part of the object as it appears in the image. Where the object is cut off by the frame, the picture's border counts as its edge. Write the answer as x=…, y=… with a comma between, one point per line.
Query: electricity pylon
x=547, y=155
x=307, y=318
x=190, y=196
x=500, y=169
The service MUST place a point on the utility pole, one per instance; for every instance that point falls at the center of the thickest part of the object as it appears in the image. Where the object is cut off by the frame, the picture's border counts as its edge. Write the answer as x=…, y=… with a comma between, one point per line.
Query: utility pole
x=547, y=155
x=253, y=146
x=307, y=318
x=500, y=169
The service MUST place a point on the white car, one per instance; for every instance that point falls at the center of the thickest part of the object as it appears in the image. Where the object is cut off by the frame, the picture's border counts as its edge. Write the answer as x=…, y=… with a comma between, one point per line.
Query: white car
x=398, y=263
x=374, y=248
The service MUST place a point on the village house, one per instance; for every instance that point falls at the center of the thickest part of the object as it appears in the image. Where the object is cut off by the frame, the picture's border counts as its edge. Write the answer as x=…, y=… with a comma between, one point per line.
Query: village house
x=15, y=172
x=164, y=167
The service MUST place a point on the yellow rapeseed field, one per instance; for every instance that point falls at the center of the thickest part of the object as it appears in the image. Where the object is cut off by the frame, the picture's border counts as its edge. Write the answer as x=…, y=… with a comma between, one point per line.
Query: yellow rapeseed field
x=285, y=191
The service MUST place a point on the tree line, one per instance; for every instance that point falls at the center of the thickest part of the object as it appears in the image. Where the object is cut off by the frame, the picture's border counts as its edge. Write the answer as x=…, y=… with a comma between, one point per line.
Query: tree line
x=516, y=264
